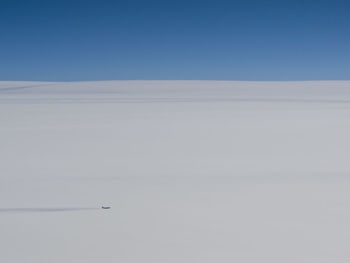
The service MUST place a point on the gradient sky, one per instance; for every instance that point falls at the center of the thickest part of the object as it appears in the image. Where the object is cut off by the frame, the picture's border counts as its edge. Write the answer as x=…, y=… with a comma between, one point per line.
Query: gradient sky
x=228, y=40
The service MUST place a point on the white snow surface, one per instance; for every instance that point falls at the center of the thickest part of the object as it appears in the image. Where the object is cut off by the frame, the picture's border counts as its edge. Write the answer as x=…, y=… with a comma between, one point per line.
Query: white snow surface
x=195, y=171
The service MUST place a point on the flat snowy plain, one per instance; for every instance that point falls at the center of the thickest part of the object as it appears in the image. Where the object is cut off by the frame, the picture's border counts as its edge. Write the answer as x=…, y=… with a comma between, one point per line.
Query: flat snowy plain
x=195, y=171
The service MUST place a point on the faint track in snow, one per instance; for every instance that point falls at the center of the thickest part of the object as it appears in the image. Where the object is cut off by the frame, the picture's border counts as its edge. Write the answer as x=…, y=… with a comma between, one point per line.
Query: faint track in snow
x=22, y=87
x=164, y=100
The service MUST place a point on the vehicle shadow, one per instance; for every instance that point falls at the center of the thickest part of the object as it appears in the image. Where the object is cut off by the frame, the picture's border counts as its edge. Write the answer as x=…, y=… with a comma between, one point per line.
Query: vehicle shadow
x=44, y=209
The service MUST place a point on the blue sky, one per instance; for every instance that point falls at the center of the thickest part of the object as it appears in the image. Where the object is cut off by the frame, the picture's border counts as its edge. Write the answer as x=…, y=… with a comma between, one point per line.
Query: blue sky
x=228, y=40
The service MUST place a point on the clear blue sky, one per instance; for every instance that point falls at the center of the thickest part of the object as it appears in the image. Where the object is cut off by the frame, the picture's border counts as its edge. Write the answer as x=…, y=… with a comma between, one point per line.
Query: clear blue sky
x=229, y=40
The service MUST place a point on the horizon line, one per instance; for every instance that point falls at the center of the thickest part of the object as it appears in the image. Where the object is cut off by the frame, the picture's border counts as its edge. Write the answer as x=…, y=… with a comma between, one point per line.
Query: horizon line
x=174, y=80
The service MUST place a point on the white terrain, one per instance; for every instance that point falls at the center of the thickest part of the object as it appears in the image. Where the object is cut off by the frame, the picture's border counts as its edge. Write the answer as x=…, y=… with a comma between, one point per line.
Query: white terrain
x=194, y=172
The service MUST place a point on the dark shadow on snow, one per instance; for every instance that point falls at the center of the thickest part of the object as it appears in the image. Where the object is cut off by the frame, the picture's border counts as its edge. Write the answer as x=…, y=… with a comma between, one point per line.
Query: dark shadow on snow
x=44, y=209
